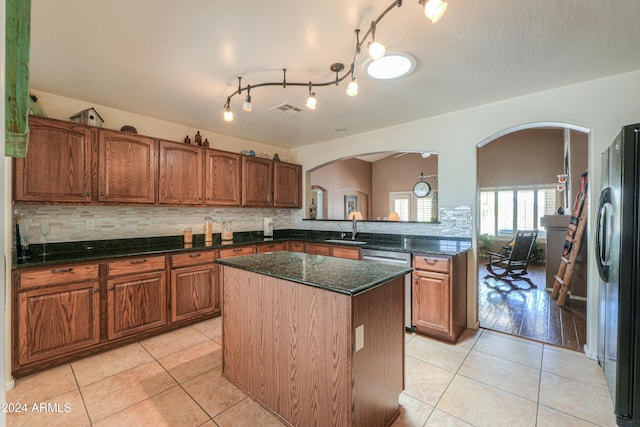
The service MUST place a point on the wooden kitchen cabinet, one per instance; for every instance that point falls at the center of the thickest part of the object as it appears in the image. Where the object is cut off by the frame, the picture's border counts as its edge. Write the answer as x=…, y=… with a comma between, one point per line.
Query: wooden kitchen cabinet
x=57, y=167
x=296, y=246
x=136, y=296
x=317, y=249
x=127, y=168
x=257, y=181
x=287, y=185
x=57, y=313
x=346, y=252
x=194, y=285
x=439, y=297
x=236, y=251
x=181, y=179
x=222, y=178
x=262, y=248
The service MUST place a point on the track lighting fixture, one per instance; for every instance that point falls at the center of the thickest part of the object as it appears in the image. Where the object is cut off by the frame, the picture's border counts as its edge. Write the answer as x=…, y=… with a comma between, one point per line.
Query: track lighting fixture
x=433, y=9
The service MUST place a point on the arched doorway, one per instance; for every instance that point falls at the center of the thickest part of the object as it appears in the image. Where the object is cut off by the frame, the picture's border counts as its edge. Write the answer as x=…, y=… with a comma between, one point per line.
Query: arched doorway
x=518, y=172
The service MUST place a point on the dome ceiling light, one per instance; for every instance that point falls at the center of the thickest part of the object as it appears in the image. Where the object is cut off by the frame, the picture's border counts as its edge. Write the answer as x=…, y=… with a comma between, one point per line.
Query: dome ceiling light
x=394, y=65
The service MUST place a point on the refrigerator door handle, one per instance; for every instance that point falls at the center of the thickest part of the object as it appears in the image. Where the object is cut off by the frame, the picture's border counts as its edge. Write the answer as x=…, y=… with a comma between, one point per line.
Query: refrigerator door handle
x=603, y=234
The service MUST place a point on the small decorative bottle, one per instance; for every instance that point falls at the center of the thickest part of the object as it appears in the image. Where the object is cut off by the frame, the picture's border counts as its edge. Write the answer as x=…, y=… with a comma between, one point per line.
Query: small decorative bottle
x=187, y=140
x=198, y=138
x=206, y=143
x=313, y=210
x=227, y=233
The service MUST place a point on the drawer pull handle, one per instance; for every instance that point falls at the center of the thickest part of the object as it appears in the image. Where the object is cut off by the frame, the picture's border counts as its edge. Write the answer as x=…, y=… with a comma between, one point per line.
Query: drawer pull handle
x=139, y=261
x=66, y=270
x=194, y=255
x=237, y=250
x=431, y=261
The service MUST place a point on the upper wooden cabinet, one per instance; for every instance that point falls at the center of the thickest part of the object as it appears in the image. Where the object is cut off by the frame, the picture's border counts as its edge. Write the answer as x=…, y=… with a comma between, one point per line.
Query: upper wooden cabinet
x=287, y=188
x=57, y=167
x=127, y=166
x=222, y=178
x=257, y=182
x=180, y=174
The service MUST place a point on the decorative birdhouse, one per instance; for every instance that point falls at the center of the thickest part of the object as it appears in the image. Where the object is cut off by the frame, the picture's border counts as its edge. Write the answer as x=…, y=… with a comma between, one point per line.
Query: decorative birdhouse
x=88, y=117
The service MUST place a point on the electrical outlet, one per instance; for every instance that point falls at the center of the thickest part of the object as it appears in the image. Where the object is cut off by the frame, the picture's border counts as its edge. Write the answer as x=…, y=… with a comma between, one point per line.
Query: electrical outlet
x=89, y=224
x=359, y=337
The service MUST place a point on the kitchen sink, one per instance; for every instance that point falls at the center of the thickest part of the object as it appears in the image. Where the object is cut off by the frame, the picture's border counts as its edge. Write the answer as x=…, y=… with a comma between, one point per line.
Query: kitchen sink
x=346, y=242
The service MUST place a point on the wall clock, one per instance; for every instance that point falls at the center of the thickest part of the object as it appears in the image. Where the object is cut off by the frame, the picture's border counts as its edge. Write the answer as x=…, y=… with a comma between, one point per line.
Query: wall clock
x=421, y=189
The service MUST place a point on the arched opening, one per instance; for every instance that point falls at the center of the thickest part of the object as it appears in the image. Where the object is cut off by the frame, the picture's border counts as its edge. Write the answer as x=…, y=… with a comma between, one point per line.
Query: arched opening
x=528, y=177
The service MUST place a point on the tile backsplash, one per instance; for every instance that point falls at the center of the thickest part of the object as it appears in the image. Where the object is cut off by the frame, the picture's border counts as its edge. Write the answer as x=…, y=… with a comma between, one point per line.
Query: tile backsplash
x=78, y=223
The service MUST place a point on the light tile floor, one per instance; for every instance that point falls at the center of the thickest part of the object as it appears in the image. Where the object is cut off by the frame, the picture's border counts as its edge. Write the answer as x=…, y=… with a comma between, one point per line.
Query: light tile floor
x=486, y=379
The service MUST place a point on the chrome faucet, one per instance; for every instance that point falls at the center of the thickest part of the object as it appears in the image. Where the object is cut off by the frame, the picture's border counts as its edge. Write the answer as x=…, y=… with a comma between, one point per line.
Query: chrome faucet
x=355, y=228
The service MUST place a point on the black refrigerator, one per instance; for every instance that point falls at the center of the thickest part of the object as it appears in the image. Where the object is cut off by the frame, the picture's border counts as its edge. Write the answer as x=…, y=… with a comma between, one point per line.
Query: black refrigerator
x=618, y=260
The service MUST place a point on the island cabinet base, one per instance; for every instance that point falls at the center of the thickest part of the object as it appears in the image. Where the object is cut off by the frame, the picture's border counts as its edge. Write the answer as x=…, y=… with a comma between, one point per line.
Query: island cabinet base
x=293, y=348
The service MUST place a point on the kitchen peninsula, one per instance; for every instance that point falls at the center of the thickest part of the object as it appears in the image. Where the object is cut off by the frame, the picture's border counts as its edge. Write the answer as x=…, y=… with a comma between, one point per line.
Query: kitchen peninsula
x=317, y=339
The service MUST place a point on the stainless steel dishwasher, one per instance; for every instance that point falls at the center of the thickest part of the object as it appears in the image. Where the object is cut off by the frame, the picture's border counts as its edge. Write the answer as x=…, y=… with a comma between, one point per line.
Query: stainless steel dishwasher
x=402, y=259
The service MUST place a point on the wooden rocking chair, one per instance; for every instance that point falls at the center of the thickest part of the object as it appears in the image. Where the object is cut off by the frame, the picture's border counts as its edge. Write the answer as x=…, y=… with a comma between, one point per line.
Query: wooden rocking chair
x=513, y=258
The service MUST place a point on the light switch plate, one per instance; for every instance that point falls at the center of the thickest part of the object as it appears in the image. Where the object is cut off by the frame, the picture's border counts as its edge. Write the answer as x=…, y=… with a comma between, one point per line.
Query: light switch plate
x=359, y=337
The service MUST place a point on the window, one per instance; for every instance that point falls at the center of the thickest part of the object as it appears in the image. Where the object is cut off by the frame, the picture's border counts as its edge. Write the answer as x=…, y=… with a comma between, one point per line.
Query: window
x=505, y=210
x=412, y=208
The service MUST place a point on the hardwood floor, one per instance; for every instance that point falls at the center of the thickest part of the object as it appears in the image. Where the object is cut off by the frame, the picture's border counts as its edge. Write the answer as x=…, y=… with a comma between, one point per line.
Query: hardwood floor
x=522, y=307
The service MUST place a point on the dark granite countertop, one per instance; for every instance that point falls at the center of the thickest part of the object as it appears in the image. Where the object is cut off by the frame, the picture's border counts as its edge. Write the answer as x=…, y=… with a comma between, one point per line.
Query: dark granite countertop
x=340, y=275
x=71, y=252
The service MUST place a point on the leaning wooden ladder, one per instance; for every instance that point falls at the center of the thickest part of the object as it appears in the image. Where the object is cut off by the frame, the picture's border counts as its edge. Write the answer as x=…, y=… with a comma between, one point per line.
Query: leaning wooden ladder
x=572, y=246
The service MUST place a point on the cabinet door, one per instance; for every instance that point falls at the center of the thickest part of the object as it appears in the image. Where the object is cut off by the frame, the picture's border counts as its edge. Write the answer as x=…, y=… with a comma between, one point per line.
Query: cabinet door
x=431, y=308
x=287, y=185
x=257, y=181
x=194, y=291
x=127, y=168
x=57, y=320
x=136, y=303
x=57, y=167
x=345, y=252
x=222, y=178
x=180, y=174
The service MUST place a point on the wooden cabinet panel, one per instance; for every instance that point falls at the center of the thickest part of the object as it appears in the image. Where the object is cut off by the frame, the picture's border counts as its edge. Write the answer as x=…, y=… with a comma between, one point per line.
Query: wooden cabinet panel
x=57, y=320
x=345, y=252
x=431, y=263
x=194, y=291
x=222, y=178
x=287, y=188
x=317, y=249
x=57, y=167
x=242, y=250
x=270, y=247
x=257, y=181
x=180, y=174
x=127, y=168
x=136, y=303
x=56, y=275
x=192, y=258
x=136, y=265
x=431, y=301
x=296, y=246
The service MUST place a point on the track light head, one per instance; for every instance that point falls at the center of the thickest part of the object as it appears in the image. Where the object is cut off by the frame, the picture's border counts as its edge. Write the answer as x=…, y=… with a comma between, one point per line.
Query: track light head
x=228, y=114
x=246, y=105
x=433, y=9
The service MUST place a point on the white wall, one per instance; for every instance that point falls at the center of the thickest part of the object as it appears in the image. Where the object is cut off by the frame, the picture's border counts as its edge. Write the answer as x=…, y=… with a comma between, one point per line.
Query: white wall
x=602, y=106
x=5, y=246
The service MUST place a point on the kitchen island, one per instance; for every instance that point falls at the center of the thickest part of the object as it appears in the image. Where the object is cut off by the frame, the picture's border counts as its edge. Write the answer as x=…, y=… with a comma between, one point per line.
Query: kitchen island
x=318, y=340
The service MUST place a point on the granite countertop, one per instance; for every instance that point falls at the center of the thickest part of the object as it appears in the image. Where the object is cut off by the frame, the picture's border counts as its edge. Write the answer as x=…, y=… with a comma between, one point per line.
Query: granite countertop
x=340, y=275
x=71, y=252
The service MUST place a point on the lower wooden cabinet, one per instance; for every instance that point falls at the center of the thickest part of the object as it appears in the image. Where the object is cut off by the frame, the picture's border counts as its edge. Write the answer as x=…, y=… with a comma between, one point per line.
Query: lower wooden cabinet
x=317, y=249
x=346, y=252
x=194, y=285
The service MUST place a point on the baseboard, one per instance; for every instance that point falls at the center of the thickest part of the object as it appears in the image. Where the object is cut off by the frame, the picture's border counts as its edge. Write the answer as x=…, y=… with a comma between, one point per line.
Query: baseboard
x=590, y=354
x=9, y=385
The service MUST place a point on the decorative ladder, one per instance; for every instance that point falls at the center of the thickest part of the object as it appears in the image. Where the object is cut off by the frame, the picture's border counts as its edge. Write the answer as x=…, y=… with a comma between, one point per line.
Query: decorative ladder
x=572, y=245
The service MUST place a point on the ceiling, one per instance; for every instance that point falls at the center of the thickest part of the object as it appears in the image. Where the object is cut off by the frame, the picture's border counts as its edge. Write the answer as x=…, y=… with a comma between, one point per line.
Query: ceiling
x=179, y=60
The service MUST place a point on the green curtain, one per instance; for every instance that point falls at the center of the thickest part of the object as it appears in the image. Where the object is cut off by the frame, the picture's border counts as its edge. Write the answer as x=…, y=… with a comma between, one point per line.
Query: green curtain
x=18, y=31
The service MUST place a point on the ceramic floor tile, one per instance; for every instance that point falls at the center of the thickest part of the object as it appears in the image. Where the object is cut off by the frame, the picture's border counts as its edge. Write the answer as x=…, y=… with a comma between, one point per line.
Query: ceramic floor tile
x=548, y=417
x=170, y=408
x=193, y=361
x=209, y=423
x=247, y=413
x=413, y=413
x=577, y=398
x=213, y=392
x=43, y=386
x=65, y=410
x=574, y=365
x=510, y=348
x=442, y=419
x=503, y=374
x=171, y=342
x=424, y=381
x=115, y=393
x=446, y=356
x=211, y=328
x=481, y=404
x=103, y=365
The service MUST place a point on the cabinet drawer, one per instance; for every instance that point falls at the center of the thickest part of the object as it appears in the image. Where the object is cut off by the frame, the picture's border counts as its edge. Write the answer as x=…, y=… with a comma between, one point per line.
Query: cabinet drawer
x=296, y=246
x=243, y=250
x=343, y=252
x=270, y=247
x=318, y=249
x=57, y=275
x=192, y=258
x=136, y=265
x=431, y=263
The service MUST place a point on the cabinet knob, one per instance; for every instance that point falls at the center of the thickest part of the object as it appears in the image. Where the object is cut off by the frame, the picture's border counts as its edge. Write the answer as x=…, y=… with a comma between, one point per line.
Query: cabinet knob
x=87, y=194
x=111, y=288
x=102, y=193
x=96, y=290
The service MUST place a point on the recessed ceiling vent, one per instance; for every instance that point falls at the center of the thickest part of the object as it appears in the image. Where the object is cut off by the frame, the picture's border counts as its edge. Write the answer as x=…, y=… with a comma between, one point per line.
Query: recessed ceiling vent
x=286, y=109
